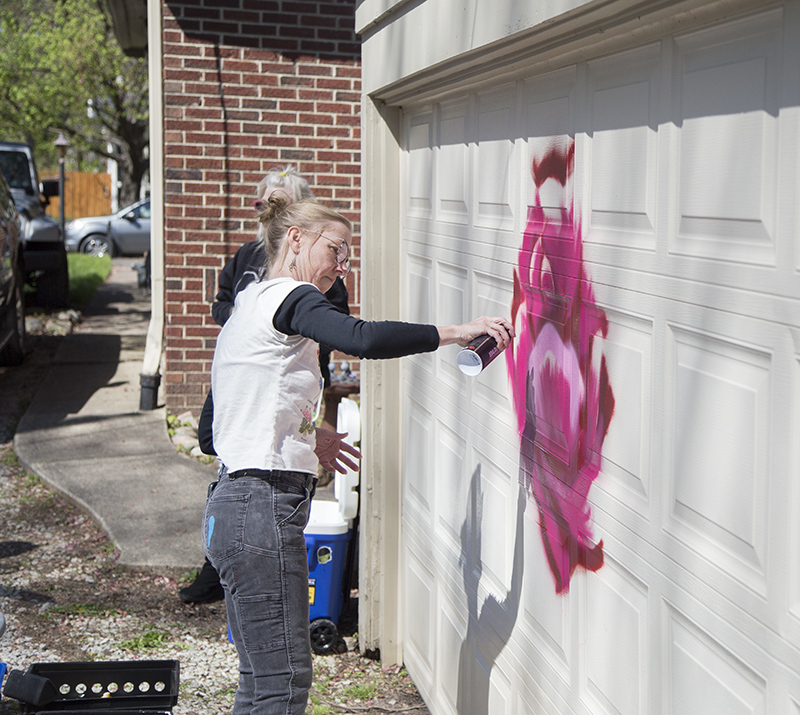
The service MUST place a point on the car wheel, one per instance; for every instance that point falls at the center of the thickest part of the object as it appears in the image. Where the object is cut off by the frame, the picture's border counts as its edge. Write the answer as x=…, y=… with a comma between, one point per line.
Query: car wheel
x=13, y=352
x=52, y=287
x=97, y=245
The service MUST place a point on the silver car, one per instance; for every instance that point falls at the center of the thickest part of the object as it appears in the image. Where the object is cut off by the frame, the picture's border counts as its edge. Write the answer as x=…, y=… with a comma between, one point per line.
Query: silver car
x=125, y=233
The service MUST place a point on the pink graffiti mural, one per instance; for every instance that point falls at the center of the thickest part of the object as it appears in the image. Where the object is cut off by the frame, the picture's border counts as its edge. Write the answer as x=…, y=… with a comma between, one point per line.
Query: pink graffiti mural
x=562, y=396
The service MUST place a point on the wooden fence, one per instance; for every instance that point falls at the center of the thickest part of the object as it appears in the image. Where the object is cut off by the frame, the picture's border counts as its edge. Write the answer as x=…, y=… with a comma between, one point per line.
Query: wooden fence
x=85, y=194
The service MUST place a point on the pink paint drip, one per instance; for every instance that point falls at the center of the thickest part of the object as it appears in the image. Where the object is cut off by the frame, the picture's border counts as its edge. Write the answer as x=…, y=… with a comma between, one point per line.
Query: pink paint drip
x=563, y=402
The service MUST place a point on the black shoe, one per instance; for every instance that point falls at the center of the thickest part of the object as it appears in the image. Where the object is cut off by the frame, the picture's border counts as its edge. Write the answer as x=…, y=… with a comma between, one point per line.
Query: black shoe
x=205, y=589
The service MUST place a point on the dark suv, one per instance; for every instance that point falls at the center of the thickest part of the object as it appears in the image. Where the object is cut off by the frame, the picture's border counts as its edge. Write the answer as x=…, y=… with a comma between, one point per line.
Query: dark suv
x=44, y=258
x=12, y=308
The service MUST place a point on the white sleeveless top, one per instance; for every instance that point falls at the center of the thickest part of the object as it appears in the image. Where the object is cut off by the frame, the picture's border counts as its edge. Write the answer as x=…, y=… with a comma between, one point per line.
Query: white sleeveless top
x=266, y=386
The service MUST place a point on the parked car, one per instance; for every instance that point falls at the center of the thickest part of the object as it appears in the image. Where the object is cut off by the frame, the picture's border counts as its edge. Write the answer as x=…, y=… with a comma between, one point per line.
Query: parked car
x=44, y=259
x=125, y=233
x=12, y=305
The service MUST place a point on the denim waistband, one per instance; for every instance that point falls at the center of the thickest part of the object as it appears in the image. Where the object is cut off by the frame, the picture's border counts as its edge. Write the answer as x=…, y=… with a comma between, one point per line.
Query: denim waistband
x=274, y=476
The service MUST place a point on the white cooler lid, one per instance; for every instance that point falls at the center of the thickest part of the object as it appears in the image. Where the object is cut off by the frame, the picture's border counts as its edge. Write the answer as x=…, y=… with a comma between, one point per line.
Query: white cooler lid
x=348, y=419
x=326, y=518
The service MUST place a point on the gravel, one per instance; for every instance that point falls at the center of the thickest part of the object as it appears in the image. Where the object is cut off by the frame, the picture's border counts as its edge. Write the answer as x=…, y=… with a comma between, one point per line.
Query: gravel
x=65, y=598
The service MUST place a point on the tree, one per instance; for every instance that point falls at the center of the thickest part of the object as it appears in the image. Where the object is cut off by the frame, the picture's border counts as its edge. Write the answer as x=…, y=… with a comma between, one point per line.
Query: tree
x=61, y=69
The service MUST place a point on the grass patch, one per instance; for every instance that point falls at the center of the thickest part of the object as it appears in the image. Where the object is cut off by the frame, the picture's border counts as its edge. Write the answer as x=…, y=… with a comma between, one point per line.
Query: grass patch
x=151, y=638
x=86, y=274
x=360, y=691
x=9, y=459
x=189, y=576
x=84, y=609
x=319, y=708
x=31, y=480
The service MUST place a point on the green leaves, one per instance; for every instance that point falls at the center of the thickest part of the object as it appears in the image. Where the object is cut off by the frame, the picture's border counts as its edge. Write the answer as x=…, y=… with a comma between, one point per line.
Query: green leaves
x=61, y=69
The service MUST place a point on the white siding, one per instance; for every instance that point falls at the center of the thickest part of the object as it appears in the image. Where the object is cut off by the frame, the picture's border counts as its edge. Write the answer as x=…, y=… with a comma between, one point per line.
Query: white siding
x=685, y=189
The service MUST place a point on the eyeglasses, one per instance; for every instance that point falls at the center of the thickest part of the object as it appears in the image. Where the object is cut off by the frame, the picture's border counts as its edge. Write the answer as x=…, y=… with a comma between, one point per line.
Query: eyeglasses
x=342, y=251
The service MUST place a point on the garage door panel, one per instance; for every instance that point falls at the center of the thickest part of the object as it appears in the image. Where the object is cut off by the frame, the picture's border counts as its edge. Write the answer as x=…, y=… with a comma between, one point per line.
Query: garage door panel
x=418, y=288
x=740, y=41
x=451, y=654
x=546, y=616
x=418, y=482
x=617, y=651
x=420, y=618
x=747, y=233
x=623, y=151
x=492, y=297
x=727, y=96
x=419, y=166
x=702, y=676
x=453, y=307
x=451, y=484
x=490, y=686
x=452, y=164
x=419, y=293
x=494, y=178
x=628, y=349
x=717, y=452
x=494, y=505
x=549, y=106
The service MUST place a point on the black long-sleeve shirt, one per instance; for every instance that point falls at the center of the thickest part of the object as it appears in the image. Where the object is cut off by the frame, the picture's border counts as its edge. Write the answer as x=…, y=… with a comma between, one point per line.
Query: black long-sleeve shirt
x=306, y=312
x=248, y=264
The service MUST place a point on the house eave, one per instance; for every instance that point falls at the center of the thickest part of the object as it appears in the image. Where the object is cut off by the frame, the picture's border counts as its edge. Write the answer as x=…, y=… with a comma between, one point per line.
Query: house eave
x=129, y=20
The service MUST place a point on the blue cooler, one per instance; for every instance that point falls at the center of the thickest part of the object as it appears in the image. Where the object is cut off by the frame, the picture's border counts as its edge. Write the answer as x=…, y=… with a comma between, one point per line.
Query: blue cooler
x=327, y=537
x=328, y=534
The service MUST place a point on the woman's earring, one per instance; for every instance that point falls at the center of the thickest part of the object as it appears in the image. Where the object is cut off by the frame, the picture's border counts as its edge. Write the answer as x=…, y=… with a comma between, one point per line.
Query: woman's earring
x=293, y=264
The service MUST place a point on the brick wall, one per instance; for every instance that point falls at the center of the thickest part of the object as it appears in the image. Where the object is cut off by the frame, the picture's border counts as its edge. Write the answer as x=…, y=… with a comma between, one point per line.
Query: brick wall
x=246, y=89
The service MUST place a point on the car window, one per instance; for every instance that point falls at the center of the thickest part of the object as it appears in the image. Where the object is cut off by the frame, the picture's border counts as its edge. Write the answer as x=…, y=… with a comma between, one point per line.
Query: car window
x=141, y=211
x=14, y=165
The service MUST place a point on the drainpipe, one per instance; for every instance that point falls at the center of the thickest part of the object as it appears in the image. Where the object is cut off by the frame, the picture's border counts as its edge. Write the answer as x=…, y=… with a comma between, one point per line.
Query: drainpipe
x=150, y=377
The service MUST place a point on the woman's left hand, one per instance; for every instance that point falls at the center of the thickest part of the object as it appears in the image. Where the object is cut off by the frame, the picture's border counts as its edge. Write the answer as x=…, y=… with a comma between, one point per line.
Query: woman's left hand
x=331, y=449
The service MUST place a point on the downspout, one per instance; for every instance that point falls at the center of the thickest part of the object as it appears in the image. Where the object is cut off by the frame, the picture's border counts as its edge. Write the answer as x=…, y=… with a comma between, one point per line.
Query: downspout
x=150, y=377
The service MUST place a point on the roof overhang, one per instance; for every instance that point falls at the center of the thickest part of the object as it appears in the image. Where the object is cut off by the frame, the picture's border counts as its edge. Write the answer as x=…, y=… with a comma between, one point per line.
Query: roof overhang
x=129, y=19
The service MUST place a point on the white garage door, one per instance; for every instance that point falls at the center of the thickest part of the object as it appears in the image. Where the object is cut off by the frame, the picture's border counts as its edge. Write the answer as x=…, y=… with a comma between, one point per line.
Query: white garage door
x=638, y=213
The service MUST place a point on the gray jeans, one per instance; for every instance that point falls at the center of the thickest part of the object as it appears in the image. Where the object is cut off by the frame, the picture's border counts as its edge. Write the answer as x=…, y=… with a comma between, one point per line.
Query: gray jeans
x=253, y=536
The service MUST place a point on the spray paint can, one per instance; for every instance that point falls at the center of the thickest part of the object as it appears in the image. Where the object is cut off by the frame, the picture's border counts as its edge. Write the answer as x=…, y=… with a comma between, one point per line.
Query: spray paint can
x=477, y=355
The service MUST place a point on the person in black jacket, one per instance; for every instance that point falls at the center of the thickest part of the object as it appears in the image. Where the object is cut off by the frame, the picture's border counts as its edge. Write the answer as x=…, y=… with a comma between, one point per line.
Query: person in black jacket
x=247, y=266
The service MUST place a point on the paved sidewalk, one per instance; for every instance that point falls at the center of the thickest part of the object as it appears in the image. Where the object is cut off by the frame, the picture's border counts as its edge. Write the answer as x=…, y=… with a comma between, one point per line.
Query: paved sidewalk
x=84, y=435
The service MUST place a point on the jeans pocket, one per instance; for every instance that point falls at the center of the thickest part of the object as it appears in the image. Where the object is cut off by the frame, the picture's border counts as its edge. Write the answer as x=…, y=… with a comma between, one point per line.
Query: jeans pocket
x=291, y=517
x=261, y=622
x=224, y=524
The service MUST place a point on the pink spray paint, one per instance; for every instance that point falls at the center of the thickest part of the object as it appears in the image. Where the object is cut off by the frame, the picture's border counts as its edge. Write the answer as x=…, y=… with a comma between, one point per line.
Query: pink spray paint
x=563, y=402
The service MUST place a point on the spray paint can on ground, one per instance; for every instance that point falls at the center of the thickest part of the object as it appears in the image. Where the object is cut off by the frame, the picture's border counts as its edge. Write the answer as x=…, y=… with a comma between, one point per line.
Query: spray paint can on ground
x=477, y=355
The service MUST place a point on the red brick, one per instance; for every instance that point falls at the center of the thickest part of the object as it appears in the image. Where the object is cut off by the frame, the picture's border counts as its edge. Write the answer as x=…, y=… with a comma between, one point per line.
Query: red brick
x=299, y=108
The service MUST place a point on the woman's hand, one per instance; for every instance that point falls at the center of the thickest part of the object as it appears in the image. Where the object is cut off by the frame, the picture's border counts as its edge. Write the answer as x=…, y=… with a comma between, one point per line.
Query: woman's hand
x=331, y=450
x=499, y=328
